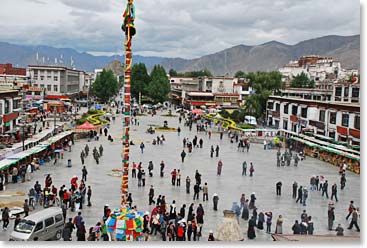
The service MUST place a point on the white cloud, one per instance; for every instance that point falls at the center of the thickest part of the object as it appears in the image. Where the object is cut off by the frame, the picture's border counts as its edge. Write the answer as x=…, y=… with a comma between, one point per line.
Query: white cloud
x=174, y=28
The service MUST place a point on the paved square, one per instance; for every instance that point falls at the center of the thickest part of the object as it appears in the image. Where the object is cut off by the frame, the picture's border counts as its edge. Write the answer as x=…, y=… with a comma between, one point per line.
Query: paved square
x=229, y=186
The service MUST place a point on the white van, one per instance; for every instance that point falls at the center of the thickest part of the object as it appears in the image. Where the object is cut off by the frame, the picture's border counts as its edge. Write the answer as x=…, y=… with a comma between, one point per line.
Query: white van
x=250, y=120
x=44, y=225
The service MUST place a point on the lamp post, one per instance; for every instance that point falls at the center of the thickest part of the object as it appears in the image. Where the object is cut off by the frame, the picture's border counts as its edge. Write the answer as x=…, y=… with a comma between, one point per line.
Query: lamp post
x=53, y=133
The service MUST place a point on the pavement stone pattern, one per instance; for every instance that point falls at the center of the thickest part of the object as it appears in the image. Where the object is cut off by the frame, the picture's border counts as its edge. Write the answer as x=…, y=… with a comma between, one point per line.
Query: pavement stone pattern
x=229, y=186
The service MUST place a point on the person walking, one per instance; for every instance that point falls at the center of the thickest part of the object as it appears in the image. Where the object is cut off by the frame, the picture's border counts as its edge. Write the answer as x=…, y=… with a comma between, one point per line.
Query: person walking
x=279, y=188
x=354, y=221
x=334, y=191
x=205, y=191
x=211, y=151
x=100, y=150
x=173, y=177
x=5, y=218
x=162, y=169
x=304, y=196
x=217, y=151
x=215, y=201
x=89, y=195
x=237, y=210
x=331, y=218
x=251, y=234
x=219, y=167
x=325, y=189
x=26, y=208
x=279, y=225
x=178, y=178
x=200, y=218
x=188, y=181
x=183, y=155
x=150, y=168
x=269, y=217
x=310, y=227
x=343, y=180
x=84, y=174
x=133, y=171
x=245, y=211
x=294, y=187
x=244, y=168
x=142, y=146
x=196, y=191
x=350, y=209
x=300, y=193
x=261, y=220
x=201, y=143
x=151, y=195
x=251, y=169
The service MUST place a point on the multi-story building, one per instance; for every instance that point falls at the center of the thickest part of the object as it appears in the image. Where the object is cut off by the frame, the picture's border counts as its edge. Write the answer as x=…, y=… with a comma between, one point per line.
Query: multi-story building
x=317, y=68
x=338, y=120
x=11, y=77
x=224, y=91
x=56, y=80
x=10, y=106
x=346, y=92
x=308, y=93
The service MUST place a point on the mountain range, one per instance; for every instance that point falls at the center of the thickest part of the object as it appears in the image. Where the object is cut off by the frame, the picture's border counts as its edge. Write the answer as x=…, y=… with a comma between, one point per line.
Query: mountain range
x=265, y=57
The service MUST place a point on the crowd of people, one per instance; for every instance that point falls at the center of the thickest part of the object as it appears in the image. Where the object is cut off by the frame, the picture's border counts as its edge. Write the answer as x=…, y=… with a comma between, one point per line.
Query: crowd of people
x=169, y=222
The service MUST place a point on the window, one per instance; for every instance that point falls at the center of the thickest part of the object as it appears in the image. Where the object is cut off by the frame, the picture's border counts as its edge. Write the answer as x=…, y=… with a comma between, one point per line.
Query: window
x=322, y=116
x=285, y=124
x=39, y=226
x=277, y=107
x=346, y=91
x=304, y=112
x=49, y=87
x=357, y=122
x=286, y=107
x=55, y=78
x=42, y=86
x=58, y=218
x=35, y=85
x=294, y=110
x=55, y=87
x=332, y=134
x=345, y=120
x=270, y=105
x=355, y=94
x=338, y=91
x=333, y=118
x=42, y=77
x=49, y=221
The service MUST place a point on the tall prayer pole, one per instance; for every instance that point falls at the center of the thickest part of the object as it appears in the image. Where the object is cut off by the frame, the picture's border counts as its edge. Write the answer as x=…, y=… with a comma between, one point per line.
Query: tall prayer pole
x=129, y=30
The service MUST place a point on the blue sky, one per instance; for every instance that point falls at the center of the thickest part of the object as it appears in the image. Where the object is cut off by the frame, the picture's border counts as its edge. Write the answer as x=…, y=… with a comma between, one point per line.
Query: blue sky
x=174, y=28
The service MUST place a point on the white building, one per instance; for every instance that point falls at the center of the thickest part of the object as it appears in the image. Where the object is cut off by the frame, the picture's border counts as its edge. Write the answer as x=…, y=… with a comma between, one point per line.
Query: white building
x=338, y=120
x=57, y=80
x=317, y=68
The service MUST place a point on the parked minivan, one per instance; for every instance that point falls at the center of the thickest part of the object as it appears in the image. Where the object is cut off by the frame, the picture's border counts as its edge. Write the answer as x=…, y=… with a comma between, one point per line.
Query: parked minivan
x=44, y=225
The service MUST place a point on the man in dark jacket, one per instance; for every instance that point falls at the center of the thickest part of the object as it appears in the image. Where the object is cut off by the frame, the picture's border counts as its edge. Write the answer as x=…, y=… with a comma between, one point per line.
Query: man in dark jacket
x=196, y=191
x=279, y=188
x=296, y=228
x=324, y=189
x=300, y=193
x=334, y=191
x=295, y=186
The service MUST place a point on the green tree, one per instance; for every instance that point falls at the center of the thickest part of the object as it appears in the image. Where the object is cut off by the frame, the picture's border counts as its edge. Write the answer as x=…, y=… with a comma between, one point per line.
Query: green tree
x=139, y=80
x=264, y=84
x=159, y=86
x=105, y=86
x=302, y=81
x=173, y=73
x=240, y=74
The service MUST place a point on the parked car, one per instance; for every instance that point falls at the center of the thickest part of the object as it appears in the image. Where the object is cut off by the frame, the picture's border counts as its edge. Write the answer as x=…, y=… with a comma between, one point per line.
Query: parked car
x=44, y=225
x=250, y=120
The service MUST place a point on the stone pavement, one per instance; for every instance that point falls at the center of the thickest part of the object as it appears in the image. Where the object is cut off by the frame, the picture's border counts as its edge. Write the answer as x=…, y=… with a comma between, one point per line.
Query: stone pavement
x=229, y=186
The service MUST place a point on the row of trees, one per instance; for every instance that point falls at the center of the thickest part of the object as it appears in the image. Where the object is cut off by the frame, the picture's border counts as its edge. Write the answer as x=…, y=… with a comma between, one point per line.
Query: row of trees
x=105, y=86
x=200, y=73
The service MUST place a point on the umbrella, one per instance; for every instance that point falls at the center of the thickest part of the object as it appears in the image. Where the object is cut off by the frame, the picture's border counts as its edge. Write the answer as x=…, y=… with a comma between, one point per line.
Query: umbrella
x=197, y=111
